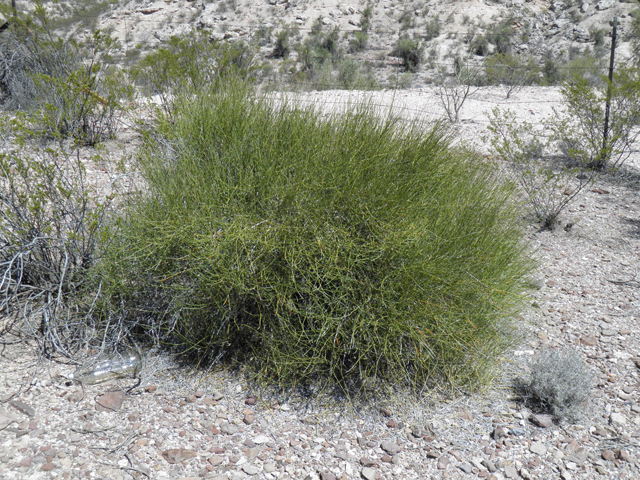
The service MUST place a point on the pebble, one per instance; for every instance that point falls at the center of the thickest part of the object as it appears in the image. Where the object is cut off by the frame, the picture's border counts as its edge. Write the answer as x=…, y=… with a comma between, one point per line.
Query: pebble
x=368, y=473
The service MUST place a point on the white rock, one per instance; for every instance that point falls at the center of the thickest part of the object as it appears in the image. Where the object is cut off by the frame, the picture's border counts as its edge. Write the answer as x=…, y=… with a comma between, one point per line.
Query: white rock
x=261, y=439
x=617, y=418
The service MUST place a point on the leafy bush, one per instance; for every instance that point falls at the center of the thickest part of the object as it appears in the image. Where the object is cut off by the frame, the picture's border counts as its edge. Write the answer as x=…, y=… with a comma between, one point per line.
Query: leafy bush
x=64, y=87
x=548, y=188
x=352, y=249
x=582, y=130
x=190, y=63
x=510, y=71
x=501, y=34
x=410, y=52
x=282, y=47
x=560, y=384
x=432, y=29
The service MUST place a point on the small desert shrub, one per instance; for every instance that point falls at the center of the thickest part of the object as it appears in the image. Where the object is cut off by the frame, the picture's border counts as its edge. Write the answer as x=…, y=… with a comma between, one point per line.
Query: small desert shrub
x=282, y=47
x=349, y=248
x=510, y=71
x=410, y=51
x=432, y=29
x=64, y=87
x=560, y=384
x=582, y=128
x=501, y=34
x=50, y=224
x=548, y=188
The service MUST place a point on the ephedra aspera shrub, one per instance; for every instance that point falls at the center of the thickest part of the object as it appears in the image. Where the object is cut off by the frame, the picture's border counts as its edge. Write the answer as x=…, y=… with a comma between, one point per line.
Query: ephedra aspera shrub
x=350, y=249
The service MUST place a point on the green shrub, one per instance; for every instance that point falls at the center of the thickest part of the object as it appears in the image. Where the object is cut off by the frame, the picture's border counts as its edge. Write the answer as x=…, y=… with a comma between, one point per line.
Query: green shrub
x=560, y=384
x=64, y=87
x=365, y=18
x=282, y=47
x=410, y=52
x=510, y=71
x=432, y=29
x=582, y=130
x=350, y=248
x=547, y=188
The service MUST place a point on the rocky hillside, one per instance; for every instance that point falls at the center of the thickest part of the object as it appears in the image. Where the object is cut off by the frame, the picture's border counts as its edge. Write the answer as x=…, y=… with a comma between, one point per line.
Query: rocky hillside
x=552, y=34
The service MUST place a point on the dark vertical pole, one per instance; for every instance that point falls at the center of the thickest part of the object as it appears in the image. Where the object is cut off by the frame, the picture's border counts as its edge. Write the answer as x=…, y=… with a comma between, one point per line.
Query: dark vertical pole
x=13, y=6
x=608, y=107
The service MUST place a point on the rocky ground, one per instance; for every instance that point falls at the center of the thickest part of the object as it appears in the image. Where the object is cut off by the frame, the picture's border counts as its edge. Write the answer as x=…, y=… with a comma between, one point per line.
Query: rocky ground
x=182, y=423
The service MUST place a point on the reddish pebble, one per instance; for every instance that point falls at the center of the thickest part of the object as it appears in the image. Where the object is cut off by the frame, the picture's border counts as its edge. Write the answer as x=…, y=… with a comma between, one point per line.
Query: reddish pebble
x=250, y=401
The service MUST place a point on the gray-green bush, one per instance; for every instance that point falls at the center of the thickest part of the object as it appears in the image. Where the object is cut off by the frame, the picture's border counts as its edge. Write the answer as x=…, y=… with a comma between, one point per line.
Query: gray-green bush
x=560, y=384
x=348, y=249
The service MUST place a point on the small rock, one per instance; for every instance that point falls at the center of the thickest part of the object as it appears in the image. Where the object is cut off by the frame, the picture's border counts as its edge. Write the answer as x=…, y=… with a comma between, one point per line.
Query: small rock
x=23, y=408
x=498, y=433
x=386, y=458
x=510, y=471
x=250, y=401
x=390, y=447
x=368, y=473
x=542, y=421
x=489, y=465
x=199, y=394
x=110, y=401
x=524, y=473
x=617, y=418
x=250, y=469
x=623, y=455
x=608, y=455
x=366, y=462
x=387, y=413
x=538, y=448
x=589, y=340
x=228, y=428
x=249, y=419
x=47, y=467
x=177, y=455
x=392, y=423
x=260, y=439
x=443, y=462
x=216, y=395
x=190, y=399
x=465, y=415
x=466, y=468
x=271, y=467
x=150, y=389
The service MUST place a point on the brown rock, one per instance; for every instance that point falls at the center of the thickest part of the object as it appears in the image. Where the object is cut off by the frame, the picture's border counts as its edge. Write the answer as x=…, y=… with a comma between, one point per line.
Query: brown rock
x=249, y=419
x=366, y=462
x=177, y=455
x=47, y=467
x=190, y=399
x=217, y=450
x=386, y=458
x=623, y=455
x=608, y=455
x=110, y=401
x=542, y=421
x=392, y=423
x=150, y=389
x=250, y=401
x=600, y=191
x=498, y=433
x=199, y=394
x=464, y=414
x=589, y=340
x=443, y=462
x=327, y=476
x=385, y=411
